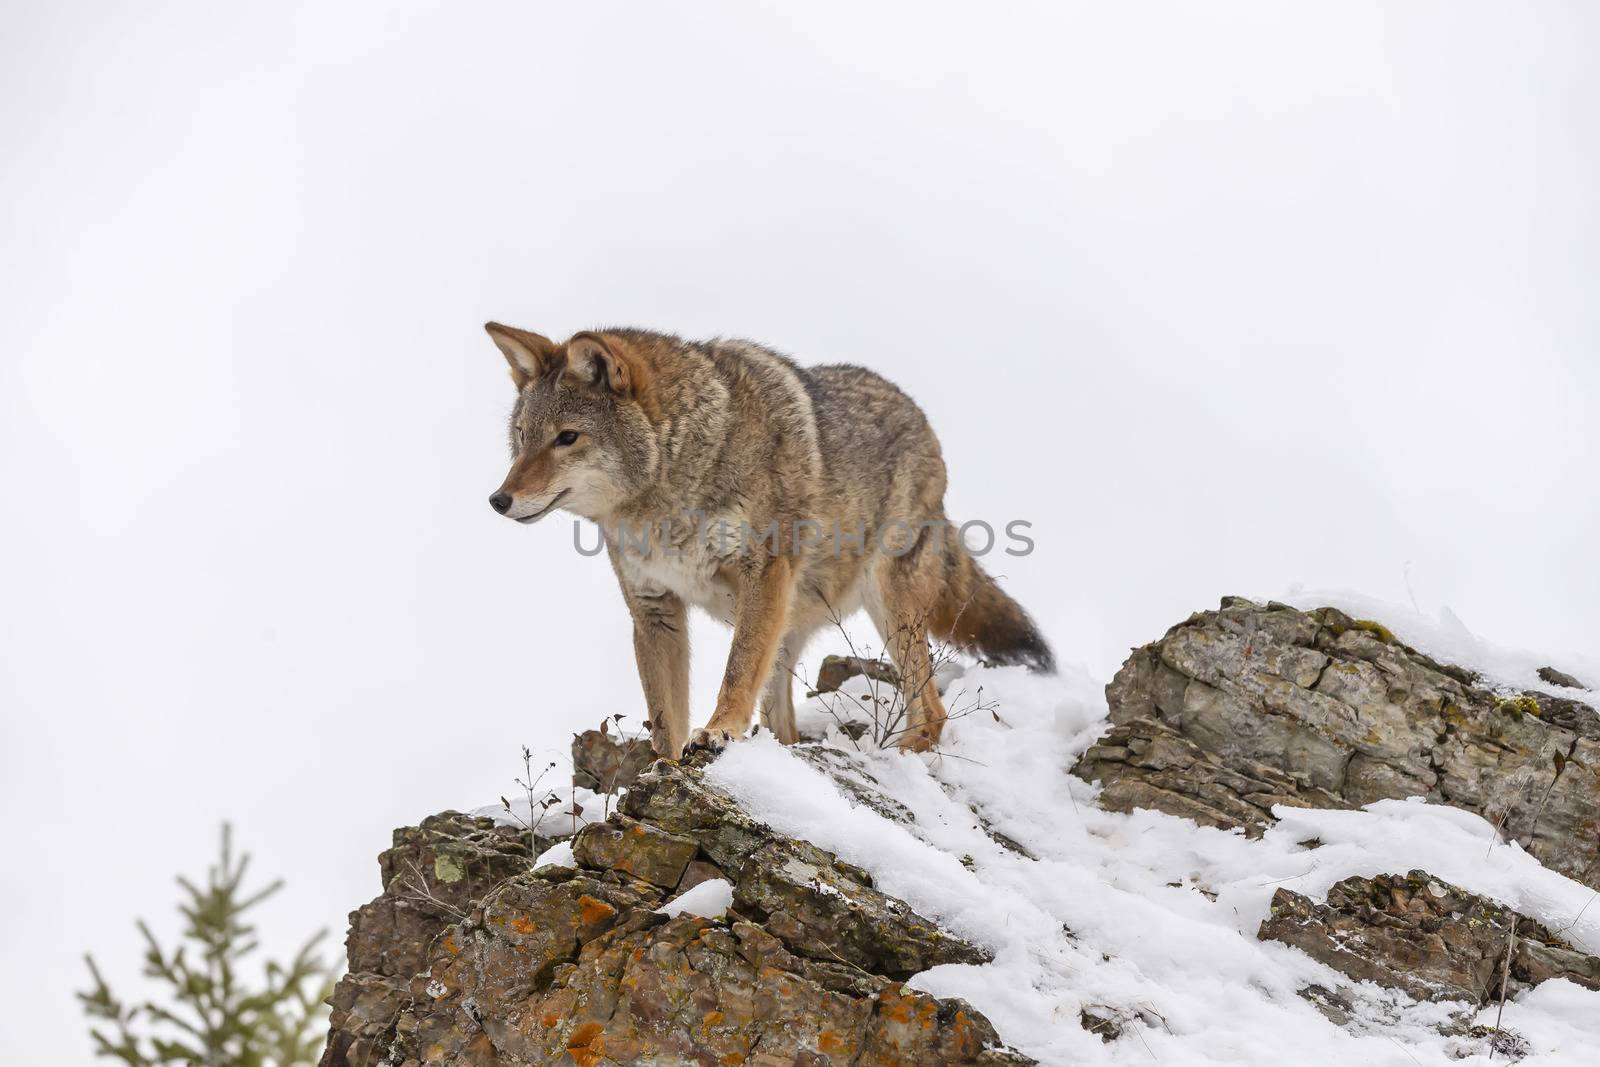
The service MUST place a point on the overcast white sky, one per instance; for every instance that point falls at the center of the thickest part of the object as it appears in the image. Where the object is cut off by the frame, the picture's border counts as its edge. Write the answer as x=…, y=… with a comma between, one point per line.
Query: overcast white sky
x=1221, y=298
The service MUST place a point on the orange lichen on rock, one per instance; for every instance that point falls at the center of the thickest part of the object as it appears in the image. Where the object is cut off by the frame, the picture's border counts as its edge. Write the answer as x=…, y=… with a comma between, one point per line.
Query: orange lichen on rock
x=595, y=911
x=896, y=1007
x=577, y=966
x=587, y=1045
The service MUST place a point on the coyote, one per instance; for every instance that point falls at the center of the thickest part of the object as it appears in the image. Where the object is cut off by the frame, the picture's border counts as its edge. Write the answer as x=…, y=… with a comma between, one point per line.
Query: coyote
x=777, y=498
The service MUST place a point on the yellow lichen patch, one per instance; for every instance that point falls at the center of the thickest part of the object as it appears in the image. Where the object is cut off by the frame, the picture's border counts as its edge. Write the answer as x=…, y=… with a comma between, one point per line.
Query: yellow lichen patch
x=447, y=869
x=593, y=910
x=732, y=1059
x=711, y=1018
x=450, y=945
x=1376, y=629
x=1518, y=706
x=549, y=1019
x=523, y=925
x=829, y=1042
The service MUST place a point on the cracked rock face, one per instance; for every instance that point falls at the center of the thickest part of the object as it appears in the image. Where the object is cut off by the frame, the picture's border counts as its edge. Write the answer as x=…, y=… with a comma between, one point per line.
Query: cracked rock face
x=605, y=763
x=837, y=670
x=1238, y=709
x=575, y=966
x=432, y=873
x=1425, y=937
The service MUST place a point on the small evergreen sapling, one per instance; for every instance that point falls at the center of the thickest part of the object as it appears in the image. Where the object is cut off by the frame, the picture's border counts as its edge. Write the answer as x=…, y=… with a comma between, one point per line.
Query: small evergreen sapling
x=211, y=1017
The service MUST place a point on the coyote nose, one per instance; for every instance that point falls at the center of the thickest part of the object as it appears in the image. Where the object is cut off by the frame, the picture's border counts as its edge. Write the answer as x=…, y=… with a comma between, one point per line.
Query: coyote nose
x=501, y=502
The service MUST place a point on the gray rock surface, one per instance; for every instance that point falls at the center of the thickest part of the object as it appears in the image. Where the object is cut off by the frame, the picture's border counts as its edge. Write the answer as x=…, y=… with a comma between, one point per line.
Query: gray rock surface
x=606, y=763
x=1428, y=938
x=1561, y=678
x=1251, y=705
x=432, y=874
x=837, y=670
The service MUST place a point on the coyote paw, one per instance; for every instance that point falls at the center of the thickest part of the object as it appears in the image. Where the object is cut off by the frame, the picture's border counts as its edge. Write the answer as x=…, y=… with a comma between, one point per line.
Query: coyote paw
x=915, y=741
x=708, y=741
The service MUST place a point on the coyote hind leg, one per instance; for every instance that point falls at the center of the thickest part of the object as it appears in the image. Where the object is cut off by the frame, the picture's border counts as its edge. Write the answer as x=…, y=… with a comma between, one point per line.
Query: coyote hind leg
x=777, y=703
x=907, y=589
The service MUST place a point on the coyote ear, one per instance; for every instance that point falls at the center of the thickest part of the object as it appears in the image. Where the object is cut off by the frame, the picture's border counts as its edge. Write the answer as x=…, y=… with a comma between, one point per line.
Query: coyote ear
x=529, y=354
x=601, y=363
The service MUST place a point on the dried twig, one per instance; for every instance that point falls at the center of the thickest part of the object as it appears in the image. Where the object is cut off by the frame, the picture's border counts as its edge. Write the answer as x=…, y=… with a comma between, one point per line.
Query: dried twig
x=530, y=785
x=1560, y=760
x=1578, y=916
x=1407, y=1051
x=1505, y=980
x=419, y=890
x=886, y=707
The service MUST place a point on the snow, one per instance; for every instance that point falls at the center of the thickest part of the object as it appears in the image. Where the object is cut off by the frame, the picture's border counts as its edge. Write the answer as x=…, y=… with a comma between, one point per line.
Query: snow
x=557, y=818
x=710, y=899
x=558, y=854
x=1147, y=917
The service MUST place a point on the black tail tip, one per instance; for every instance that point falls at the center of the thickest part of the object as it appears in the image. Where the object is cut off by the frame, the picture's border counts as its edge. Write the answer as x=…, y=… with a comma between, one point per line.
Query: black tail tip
x=1030, y=652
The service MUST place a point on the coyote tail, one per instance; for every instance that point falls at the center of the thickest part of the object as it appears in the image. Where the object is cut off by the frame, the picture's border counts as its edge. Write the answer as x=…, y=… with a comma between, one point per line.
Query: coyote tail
x=975, y=614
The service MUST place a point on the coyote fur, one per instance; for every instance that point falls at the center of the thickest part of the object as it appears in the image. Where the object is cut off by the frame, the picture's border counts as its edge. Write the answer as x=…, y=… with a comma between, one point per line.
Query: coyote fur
x=775, y=497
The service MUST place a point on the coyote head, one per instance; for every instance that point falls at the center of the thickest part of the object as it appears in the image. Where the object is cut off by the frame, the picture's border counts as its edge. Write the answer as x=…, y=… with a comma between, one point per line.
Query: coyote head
x=581, y=438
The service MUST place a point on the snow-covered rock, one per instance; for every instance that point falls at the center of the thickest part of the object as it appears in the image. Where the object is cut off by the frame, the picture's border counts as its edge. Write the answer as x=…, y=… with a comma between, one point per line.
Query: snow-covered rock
x=1272, y=771
x=1250, y=706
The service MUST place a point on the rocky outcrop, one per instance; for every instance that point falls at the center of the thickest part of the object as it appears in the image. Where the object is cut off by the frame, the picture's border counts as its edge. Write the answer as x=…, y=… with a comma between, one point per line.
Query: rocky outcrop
x=1239, y=709
x=432, y=875
x=1425, y=937
x=472, y=957
x=1557, y=677
x=606, y=763
x=837, y=670
x=574, y=965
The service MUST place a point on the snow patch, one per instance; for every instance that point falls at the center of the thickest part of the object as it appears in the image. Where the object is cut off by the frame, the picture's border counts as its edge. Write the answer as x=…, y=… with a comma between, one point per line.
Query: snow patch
x=558, y=854
x=556, y=818
x=709, y=899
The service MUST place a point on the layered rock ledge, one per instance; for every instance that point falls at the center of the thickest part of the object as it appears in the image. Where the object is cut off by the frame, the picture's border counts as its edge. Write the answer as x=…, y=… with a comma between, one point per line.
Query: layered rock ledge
x=1239, y=709
x=1428, y=938
x=469, y=957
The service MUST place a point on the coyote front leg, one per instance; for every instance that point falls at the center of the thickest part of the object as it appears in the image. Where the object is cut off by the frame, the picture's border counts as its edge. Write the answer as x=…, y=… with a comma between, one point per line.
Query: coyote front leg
x=661, y=646
x=760, y=619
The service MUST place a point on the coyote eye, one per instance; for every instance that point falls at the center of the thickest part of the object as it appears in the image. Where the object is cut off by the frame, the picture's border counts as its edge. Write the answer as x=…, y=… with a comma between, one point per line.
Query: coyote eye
x=566, y=437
